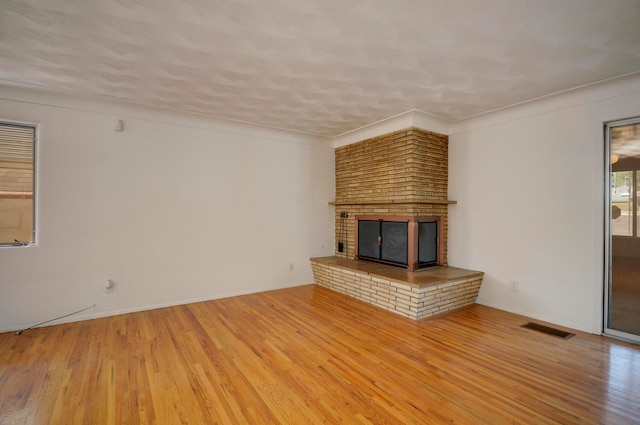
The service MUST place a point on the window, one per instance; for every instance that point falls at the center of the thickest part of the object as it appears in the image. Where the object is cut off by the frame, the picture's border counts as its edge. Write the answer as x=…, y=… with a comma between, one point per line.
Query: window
x=625, y=180
x=17, y=206
x=622, y=237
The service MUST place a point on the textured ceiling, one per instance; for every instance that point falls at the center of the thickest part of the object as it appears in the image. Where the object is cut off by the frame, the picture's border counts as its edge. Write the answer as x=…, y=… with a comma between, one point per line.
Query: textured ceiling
x=322, y=67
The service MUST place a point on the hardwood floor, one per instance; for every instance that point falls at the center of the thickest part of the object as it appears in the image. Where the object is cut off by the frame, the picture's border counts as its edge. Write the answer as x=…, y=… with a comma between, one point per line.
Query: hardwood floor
x=308, y=355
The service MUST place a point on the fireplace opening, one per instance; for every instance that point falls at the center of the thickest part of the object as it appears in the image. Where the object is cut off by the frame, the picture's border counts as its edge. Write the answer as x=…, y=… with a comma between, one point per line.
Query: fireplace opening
x=410, y=242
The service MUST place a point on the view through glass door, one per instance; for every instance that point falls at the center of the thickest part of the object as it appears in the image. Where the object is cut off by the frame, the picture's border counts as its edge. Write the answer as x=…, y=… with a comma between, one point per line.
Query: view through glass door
x=622, y=308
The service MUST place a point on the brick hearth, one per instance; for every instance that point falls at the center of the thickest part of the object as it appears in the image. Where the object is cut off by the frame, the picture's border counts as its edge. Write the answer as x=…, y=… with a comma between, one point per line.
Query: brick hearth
x=412, y=294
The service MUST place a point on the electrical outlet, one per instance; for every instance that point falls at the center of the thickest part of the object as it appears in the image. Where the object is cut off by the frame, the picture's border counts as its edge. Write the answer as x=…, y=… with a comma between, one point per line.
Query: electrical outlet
x=291, y=267
x=514, y=285
x=108, y=286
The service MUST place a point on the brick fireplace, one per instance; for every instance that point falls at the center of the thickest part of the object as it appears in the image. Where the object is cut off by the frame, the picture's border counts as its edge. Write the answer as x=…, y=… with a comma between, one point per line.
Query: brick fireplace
x=399, y=174
x=404, y=173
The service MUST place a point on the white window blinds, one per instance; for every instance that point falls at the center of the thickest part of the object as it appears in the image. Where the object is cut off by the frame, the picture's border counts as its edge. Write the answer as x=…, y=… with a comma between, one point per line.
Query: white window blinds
x=16, y=142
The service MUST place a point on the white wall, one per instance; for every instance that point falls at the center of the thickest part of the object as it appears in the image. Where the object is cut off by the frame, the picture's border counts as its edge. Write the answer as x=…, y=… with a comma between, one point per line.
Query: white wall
x=156, y=207
x=529, y=181
x=175, y=208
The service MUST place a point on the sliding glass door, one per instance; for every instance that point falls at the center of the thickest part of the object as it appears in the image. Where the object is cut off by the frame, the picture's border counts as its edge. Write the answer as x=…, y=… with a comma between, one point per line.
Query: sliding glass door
x=622, y=307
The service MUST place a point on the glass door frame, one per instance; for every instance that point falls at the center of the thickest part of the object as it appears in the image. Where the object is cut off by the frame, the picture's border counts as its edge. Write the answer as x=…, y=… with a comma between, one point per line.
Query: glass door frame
x=608, y=127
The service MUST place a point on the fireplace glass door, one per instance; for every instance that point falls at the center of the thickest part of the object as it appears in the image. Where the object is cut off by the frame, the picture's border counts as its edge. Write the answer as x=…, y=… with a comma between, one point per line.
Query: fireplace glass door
x=428, y=243
x=405, y=241
x=384, y=241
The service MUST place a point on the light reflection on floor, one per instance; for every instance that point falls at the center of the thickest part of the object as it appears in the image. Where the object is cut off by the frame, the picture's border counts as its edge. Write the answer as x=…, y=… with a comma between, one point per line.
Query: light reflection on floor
x=624, y=369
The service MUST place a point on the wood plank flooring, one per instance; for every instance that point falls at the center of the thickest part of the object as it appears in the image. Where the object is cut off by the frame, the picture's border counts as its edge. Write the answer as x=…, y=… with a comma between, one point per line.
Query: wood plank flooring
x=308, y=355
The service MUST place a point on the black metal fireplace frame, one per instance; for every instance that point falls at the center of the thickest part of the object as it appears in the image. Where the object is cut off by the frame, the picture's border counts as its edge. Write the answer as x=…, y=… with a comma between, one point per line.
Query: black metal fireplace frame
x=413, y=222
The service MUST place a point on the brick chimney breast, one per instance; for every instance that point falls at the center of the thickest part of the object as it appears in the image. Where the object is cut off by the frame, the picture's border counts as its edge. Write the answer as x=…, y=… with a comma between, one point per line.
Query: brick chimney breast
x=399, y=173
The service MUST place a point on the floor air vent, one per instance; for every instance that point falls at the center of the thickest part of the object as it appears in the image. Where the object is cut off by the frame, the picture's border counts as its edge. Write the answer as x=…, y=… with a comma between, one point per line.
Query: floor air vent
x=547, y=330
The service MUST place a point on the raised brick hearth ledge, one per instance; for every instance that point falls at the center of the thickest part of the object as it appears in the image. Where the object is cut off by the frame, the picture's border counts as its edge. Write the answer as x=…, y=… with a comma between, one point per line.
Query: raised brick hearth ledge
x=416, y=295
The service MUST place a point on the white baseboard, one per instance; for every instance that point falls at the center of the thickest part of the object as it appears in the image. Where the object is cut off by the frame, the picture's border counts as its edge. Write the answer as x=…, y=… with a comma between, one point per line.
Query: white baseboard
x=98, y=315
